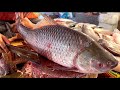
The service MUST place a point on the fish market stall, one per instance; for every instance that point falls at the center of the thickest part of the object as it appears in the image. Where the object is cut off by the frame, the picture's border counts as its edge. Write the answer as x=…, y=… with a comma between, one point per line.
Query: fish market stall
x=53, y=46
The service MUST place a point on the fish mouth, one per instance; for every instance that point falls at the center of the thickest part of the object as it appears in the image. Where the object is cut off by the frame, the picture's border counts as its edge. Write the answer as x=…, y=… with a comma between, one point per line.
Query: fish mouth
x=105, y=66
x=102, y=67
x=115, y=64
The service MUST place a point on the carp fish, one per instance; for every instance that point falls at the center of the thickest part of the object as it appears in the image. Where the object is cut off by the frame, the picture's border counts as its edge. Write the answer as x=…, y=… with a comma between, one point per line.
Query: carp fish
x=67, y=47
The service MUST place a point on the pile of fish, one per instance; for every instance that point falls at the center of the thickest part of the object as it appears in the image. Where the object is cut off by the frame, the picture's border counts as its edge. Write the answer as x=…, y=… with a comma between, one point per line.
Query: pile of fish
x=70, y=49
x=109, y=40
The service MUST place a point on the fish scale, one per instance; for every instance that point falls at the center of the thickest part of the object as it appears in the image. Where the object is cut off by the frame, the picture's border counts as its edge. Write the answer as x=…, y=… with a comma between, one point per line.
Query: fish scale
x=67, y=47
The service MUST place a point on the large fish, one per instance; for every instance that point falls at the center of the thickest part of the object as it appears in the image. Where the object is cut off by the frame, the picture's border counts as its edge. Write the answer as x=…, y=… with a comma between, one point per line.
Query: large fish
x=67, y=47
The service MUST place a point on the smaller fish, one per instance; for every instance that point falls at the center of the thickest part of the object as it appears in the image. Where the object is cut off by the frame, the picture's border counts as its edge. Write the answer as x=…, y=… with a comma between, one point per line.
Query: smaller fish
x=89, y=31
x=107, y=37
x=110, y=46
x=90, y=25
x=65, y=22
x=116, y=36
x=103, y=31
x=78, y=27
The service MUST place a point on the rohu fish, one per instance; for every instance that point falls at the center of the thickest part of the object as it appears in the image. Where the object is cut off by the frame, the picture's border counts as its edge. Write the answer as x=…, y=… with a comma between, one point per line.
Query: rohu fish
x=67, y=47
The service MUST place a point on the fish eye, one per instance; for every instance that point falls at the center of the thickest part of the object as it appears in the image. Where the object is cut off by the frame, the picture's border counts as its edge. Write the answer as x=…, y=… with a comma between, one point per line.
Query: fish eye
x=112, y=63
x=100, y=65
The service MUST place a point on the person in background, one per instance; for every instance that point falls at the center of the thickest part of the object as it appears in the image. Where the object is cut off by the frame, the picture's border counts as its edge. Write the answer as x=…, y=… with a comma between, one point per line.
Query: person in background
x=66, y=15
x=53, y=15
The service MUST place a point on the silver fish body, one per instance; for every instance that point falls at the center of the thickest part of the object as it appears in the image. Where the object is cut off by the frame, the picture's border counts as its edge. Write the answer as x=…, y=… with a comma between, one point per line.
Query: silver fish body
x=68, y=48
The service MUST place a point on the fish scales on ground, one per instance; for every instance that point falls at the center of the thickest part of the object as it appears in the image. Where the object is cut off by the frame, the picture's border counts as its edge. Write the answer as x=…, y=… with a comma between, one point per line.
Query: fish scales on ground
x=68, y=48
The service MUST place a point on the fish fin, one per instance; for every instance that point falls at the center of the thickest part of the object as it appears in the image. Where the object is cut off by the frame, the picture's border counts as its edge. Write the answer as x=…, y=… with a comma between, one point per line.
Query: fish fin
x=45, y=22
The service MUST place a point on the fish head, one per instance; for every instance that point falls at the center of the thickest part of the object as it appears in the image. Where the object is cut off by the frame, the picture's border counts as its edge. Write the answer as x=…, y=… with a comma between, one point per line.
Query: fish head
x=104, y=63
x=95, y=59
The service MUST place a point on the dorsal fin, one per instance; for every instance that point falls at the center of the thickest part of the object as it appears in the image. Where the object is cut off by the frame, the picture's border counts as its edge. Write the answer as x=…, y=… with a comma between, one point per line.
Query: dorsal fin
x=45, y=21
